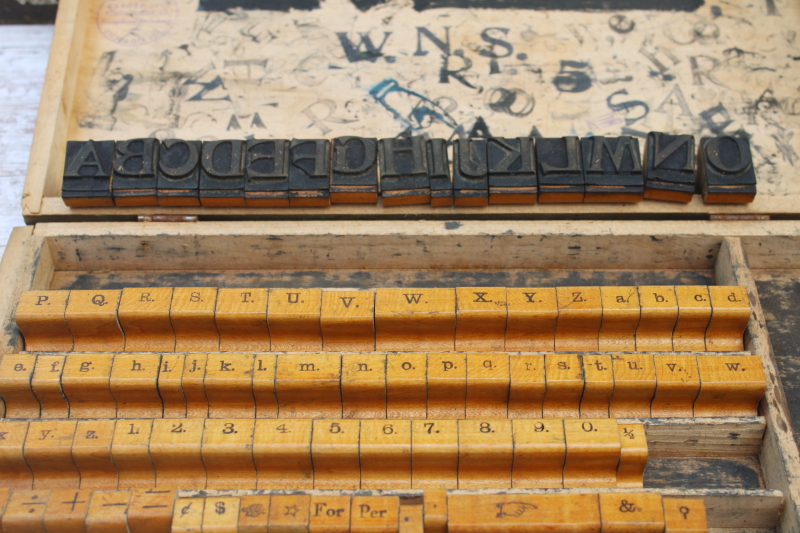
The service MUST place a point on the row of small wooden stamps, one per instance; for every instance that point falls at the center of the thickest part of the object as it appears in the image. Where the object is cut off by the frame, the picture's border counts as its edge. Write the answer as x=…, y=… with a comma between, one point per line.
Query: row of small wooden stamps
x=396, y=385
x=645, y=318
x=321, y=454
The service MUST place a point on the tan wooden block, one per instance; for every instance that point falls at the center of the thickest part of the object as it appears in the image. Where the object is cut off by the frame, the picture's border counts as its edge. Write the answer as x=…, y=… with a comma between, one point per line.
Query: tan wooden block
x=264, y=366
x=488, y=383
x=406, y=385
x=631, y=512
x=91, y=453
x=564, y=375
x=527, y=389
x=194, y=392
x=228, y=453
x=415, y=319
x=347, y=320
x=254, y=513
x=282, y=454
x=40, y=319
x=66, y=511
x=539, y=454
x=46, y=385
x=684, y=515
x=294, y=319
x=229, y=385
x=14, y=471
x=481, y=316
x=694, y=313
x=385, y=452
x=92, y=318
x=134, y=385
x=108, y=512
x=659, y=315
x=485, y=454
x=25, y=511
x=677, y=386
x=86, y=382
x=5, y=494
x=447, y=385
x=48, y=453
x=329, y=514
x=130, y=451
x=241, y=317
x=175, y=451
x=634, y=386
x=144, y=318
x=289, y=513
x=192, y=316
x=334, y=449
x=729, y=385
x=532, y=318
x=170, y=389
x=580, y=312
x=411, y=519
x=187, y=515
x=363, y=386
x=16, y=373
x=221, y=515
x=620, y=319
x=593, y=451
x=374, y=514
x=599, y=385
x=633, y=456
x=308, y=385
x=150, y=511
x=434, y=454
x=434, y=508
x=730, y=314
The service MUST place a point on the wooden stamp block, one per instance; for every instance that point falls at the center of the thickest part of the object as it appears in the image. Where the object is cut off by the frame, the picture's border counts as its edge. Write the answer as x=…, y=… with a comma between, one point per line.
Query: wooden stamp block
x=621, y=314
x=179, y=173
x=434, y=454
x=46, y=385
x=470, y=173
x=347, y=320
x=282, y=454
x=694, y=313
x=580, y=312
x=612, y=169
x=25, y=511
x=14, y=471
x=264, y=385
x=87, y=174
x=633, y=512
x=175, y=453
x=512, y=171
x=729, y=385
x=266, y=173
x=385, y=452
x=169, y=385
x=485, y=454
x=293, y=316
x=188, y=515
x=150, y=511
x=439, y=172
x=222, y=173
x=241, y=317
x=363, y=386
x=134, y=385
x=40, y=319
x=404, y=171
x=677, y=385
x=144, y=317
x=411, y=519
x=406, y=385
x=91, y=453
x=308, y=385
x=481, y=318
x=329, y=514
x=434, y=508
x=633, y=456
x=599, y=385
x=527, y=389
x=133, y=178
x=593, y=451
x=92, y=318
x=194, y=373
x=86, y=382
x=374, y=514
x=669, y=167
x=16, y=372
x=634, y=386
x=539, y=453
x=354, y=172
x=309, y=172
x=289, y=513
x=532, y=316
x=560, y=166
x=66, y=511
x=729, y=317
x=254, y=513
x=447, y=385
x=488, y=383
x=192, y=316
x=229, y=385
x=685, y=515
x=221, y=515
x=414, y=319
x=228, y=453
x=334, y=448
x=130, y=451
x=564, y=375
x=725, y=170
x=659, y=314
x=48, y=453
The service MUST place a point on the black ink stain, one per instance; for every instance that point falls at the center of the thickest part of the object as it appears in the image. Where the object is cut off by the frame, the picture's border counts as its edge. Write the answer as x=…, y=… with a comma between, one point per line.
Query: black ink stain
x=563, y=5
x=716, y=12
x=452, y=225
x=266, y=5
